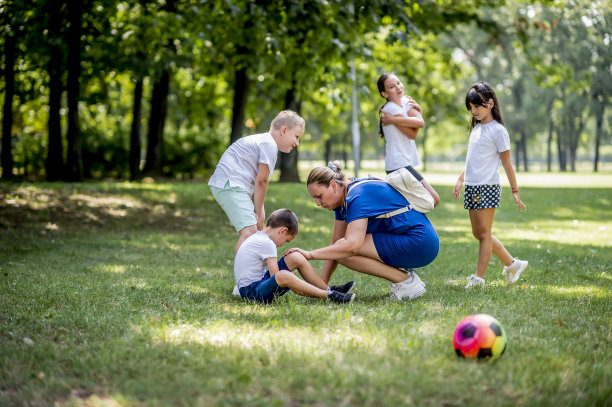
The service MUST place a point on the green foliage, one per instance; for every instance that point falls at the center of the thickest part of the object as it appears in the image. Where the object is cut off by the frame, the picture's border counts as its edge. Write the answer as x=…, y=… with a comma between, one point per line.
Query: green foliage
x=544, y=51
x=120, y=294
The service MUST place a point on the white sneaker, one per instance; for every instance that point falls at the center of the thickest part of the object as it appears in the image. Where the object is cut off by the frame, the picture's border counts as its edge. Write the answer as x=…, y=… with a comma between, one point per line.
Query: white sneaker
x=475, y=281
x=514, y=270
x=236, y=291
x=410, y=288
x=417, y=279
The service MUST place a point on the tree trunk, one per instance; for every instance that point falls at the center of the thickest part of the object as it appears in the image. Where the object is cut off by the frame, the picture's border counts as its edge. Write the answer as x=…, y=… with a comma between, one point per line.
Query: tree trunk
x=599, y=115
x=241, y=92
x=524, y=150
x=135, y=146
x=74, y=161
x=288, y=162
x=327, y=154
x=157, y=120
x=423, y=139
x=7, y=118
x=561, y=149
x=551, y=128
x=54, y=165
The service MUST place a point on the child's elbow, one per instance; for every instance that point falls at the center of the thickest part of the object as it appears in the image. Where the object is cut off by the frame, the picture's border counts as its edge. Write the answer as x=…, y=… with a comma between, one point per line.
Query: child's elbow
x=261, y=182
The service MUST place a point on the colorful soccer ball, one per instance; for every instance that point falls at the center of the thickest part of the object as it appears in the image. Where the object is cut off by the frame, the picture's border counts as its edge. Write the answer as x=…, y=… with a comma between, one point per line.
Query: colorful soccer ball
x=479, y=336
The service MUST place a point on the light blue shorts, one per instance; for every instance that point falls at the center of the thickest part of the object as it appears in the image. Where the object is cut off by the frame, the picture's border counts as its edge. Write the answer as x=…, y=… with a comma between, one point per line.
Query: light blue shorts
x=237, y=204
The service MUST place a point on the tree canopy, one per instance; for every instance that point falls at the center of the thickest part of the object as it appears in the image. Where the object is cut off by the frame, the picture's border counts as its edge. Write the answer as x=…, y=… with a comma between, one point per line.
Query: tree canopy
x=120, y=88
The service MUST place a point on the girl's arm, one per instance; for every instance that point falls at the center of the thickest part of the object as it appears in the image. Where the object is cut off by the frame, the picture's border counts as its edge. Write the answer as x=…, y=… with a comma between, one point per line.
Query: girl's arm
x=409, y=125
x=458, y=185
x=506, y=160
x=259, y=194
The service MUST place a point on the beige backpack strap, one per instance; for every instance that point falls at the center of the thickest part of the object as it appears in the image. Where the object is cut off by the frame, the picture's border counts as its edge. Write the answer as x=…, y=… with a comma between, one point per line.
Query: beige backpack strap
x=388, y=214
x=395, y=212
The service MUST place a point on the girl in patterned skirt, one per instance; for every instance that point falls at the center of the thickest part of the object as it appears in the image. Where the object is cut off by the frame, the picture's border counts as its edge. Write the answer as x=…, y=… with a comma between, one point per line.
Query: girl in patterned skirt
x=488, y=145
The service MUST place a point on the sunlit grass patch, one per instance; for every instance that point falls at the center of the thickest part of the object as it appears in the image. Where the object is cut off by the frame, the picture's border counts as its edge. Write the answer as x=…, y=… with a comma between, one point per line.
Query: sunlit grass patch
x=126, y=300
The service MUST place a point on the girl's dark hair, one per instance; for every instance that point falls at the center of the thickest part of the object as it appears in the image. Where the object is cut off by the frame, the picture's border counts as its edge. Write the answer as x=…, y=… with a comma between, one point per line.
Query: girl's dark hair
x=284, y=218
x=478, y=95
x=381, y=88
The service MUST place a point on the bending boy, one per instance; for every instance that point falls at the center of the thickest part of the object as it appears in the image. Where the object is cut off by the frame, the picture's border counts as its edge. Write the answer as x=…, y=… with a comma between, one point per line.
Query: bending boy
x=240, y=181
x=258, y=251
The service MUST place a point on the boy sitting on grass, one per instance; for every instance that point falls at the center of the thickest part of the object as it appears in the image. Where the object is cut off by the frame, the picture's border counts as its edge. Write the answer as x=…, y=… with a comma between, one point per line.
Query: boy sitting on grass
x=258, y=251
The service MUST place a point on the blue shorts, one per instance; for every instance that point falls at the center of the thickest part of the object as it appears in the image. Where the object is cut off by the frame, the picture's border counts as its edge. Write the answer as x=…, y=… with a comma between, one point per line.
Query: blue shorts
x=266, y=289
x=415, y=249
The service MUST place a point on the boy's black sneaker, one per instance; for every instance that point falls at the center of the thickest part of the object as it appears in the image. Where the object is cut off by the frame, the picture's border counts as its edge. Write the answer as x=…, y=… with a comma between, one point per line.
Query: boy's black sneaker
x=342, y=298
x=344, y=288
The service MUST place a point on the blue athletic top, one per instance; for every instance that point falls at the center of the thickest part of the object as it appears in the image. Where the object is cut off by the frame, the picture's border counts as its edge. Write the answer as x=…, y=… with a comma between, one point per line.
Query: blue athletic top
x=370, y=199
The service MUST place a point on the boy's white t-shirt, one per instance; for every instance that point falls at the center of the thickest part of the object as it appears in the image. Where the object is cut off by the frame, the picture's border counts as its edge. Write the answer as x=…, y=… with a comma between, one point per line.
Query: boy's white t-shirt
x=250, y=261
x=400, y=150
x=240, y=162
x=486, y=142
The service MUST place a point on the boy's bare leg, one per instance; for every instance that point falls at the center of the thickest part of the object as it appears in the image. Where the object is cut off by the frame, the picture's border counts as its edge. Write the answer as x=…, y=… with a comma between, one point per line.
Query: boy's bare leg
x=285, y=278
x=295, y=261
x=244, y=234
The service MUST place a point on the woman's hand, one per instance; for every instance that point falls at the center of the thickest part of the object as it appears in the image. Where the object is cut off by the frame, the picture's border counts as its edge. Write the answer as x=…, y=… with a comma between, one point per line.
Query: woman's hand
x=307, y=255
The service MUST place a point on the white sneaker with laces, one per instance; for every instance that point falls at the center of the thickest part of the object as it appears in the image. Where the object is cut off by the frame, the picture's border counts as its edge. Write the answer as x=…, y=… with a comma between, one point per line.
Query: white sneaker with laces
x=514, y=270
x=410, y=288
x=417, y=279
x=475, y=281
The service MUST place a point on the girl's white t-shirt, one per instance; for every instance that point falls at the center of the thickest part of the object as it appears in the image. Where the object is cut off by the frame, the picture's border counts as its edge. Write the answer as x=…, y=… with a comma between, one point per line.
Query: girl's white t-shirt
x=400, y=150
x=239, y=164
x=486, y=142
x=250, y=261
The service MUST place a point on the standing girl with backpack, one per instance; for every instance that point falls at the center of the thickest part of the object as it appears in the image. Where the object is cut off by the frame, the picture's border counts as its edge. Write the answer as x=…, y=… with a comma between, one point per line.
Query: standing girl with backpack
x=488, y=145
x=400, y=121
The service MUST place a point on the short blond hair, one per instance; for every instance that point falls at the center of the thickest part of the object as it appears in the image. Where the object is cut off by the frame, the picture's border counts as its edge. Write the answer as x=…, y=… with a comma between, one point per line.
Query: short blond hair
x=289, y=119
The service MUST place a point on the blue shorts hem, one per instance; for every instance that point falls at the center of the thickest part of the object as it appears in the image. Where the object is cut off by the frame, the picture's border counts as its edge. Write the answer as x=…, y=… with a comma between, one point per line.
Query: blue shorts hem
x=266, y=289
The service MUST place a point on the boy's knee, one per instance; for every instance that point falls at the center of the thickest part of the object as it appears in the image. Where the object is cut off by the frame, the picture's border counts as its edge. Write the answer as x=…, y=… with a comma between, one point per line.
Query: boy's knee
x=283, y=277
x=294, y=260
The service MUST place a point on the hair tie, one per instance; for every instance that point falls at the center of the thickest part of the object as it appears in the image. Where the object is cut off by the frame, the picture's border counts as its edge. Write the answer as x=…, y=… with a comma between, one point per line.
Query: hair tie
x=333, y=167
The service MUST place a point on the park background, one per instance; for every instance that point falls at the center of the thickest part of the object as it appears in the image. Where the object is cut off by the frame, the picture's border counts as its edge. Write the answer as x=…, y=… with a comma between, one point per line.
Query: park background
x=128, y=89
x=116, y=261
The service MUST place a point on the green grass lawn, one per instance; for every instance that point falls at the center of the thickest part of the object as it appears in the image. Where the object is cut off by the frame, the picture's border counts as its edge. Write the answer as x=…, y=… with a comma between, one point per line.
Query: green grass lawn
x=119, y=294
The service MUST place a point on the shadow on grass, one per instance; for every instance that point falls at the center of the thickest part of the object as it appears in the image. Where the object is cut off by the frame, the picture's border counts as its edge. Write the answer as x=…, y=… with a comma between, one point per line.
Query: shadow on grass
x=128, y=298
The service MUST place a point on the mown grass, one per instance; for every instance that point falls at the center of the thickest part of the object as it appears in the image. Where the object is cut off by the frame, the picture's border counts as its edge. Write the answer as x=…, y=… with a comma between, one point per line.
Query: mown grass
x=119, y=294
